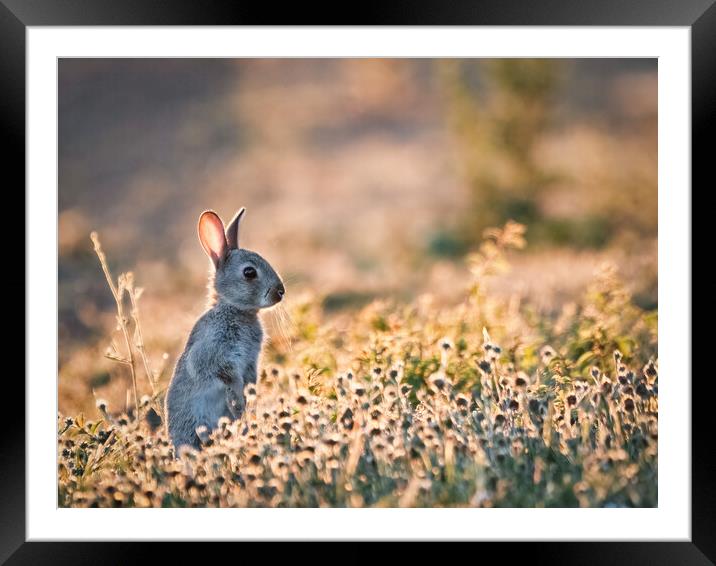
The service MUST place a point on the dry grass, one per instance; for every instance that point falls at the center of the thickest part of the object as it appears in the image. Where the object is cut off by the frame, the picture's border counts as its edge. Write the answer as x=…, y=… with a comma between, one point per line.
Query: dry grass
x=484, y=403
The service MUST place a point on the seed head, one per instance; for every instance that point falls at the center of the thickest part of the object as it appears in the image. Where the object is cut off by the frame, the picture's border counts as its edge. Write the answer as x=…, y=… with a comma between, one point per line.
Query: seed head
x=547, y=354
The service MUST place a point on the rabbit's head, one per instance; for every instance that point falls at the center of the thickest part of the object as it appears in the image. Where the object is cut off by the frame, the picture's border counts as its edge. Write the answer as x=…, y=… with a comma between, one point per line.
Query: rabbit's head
x=242, y=277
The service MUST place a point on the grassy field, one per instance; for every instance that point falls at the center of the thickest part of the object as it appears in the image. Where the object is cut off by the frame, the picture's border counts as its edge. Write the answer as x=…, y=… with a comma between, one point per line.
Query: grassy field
x=487, y=402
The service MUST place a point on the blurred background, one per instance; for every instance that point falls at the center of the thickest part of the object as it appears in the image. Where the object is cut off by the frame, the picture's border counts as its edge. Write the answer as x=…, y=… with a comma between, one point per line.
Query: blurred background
x=363, y=179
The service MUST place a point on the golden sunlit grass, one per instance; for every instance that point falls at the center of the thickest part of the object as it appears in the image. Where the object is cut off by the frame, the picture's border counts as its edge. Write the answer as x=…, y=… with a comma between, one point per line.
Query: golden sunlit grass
x=484, y=403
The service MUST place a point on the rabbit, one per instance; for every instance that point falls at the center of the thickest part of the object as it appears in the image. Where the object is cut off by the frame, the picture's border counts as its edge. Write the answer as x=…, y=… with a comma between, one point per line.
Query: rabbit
x=221, y=354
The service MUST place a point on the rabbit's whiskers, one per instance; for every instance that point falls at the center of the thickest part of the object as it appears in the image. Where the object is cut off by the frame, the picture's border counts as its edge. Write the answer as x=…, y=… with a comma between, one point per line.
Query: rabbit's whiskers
x=284, y=325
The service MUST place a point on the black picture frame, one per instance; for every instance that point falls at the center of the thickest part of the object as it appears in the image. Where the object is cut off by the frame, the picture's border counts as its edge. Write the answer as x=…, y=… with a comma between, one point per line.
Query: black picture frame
x=17, y=15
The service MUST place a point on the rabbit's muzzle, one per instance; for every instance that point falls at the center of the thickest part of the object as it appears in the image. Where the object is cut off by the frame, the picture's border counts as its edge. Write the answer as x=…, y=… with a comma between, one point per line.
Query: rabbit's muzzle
x=277, y=293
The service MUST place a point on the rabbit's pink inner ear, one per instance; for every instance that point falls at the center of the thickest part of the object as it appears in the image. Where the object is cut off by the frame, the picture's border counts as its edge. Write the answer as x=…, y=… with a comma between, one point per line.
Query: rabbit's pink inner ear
x=232, y=230
x=212, y=238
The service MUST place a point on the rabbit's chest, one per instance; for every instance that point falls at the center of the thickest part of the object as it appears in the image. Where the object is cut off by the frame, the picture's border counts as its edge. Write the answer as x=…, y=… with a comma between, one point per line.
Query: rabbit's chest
x=243, y=343
x=248, y=352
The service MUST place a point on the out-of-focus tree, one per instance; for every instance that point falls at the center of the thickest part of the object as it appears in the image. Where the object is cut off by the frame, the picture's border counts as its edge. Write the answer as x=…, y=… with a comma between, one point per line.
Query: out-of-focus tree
x=498, y=110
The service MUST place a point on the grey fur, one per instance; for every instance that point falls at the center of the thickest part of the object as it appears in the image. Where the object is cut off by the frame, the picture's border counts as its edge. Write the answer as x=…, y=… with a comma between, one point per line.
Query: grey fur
x=221, y=354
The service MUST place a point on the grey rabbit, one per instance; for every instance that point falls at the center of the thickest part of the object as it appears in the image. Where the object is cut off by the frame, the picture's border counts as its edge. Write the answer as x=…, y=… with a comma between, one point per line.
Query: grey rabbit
x=221, y=354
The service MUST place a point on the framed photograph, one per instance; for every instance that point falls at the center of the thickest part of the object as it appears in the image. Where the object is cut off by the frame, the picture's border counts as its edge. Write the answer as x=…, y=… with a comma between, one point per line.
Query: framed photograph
x=423, y=277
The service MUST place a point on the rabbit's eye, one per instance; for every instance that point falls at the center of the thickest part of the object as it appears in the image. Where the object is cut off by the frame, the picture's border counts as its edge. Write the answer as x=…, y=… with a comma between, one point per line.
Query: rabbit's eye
x=249, y=273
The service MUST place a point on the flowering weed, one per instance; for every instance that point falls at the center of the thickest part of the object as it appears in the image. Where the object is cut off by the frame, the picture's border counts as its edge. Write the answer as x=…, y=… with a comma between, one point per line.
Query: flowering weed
x=484, y=404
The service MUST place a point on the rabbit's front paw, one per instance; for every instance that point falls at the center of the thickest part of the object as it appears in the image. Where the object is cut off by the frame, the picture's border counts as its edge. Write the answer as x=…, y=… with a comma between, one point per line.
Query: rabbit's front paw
x=234, y=402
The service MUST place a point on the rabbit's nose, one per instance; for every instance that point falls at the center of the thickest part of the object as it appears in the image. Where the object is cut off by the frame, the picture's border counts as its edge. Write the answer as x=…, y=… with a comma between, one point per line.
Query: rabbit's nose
x=280, y=291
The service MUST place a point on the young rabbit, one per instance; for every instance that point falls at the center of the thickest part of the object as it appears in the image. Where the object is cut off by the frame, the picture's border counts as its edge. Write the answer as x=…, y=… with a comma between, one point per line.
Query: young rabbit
x=221, y=354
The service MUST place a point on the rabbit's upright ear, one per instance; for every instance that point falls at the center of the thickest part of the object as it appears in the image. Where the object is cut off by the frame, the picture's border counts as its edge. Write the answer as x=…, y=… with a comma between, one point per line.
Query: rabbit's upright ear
x=232, y=230
x=212, y=238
